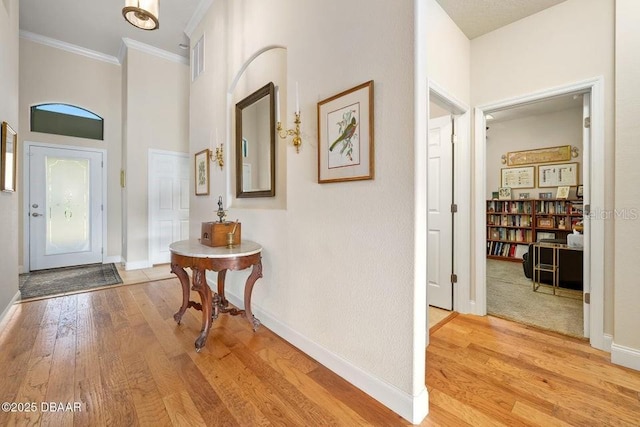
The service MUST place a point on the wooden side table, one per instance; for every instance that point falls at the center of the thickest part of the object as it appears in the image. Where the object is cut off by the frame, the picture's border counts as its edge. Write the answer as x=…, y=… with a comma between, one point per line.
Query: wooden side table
x=200, y=258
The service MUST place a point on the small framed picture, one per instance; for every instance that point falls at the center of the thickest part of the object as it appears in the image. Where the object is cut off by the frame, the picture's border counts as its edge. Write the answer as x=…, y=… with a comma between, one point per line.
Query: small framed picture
x=202, y=172
x=542, y=195
x=504, y=193
x=545, y=222
x=580, y=191
x=523, y=196
x=563, y=192
x=494, y=195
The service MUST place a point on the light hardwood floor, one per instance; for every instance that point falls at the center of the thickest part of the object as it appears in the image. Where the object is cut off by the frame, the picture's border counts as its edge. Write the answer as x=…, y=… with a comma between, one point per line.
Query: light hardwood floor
x=120, y=354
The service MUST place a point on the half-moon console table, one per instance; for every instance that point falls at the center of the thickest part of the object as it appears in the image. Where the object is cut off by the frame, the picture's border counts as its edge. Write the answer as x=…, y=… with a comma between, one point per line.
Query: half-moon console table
x=200, y=258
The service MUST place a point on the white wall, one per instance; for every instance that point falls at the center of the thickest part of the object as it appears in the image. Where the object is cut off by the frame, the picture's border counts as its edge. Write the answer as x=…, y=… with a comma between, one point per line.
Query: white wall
x=448, y=53
x=626, y=348
x=567, y=43
x=48, y=74
x=528, y=133
x=338, y=261
x=156, y=102
x=9, y=210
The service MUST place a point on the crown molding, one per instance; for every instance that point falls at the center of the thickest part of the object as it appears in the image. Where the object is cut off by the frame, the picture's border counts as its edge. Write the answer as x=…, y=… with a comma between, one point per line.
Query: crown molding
x=133, y=44
x=68, y=47
x=197, y=16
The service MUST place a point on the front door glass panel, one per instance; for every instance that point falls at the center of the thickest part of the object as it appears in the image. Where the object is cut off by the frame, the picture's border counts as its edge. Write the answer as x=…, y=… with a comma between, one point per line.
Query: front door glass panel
x=68, y=205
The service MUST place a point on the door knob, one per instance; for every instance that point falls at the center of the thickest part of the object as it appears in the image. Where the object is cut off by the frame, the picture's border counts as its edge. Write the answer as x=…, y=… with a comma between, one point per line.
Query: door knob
x=36, y=214
x=35, y=205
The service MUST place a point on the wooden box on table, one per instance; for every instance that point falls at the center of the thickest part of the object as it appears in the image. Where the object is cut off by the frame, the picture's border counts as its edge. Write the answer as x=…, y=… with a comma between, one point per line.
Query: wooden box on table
x=215, y=233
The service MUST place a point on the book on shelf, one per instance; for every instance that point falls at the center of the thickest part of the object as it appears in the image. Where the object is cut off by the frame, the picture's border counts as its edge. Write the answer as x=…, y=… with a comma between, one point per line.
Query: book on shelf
x=521, y=250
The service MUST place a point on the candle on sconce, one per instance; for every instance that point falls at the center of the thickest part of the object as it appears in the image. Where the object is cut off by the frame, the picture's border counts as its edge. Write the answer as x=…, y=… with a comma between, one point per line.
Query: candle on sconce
x=297, y=99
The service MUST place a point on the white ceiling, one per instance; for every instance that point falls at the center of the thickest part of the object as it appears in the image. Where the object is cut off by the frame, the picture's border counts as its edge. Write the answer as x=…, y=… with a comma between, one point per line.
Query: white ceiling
x=547, y=106
x=98, y=25
x=478, y=17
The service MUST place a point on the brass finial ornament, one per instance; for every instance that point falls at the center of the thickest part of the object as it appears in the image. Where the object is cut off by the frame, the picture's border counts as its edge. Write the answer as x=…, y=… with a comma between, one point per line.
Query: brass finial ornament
x=221, y=212
x=142, y=14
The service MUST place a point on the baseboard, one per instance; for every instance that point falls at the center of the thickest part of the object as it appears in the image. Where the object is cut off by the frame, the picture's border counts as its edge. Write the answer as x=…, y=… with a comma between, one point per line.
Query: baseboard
x=625, y=356
x=137, y=265
x=608, y=342
x=412, y=408
x=473, y=309
x=5, y=312
x=112, y=259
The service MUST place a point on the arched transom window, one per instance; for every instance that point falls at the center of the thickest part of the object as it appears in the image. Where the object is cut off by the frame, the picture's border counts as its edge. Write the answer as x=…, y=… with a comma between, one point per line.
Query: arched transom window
x=65, y=119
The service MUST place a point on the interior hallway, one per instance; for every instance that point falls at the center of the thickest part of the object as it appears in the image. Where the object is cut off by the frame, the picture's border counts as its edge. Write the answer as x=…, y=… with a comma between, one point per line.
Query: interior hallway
x=119, y=353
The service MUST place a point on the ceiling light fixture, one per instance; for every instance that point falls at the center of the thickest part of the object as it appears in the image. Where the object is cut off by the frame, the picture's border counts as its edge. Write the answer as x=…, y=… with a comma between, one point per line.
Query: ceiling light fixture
x=142, y=13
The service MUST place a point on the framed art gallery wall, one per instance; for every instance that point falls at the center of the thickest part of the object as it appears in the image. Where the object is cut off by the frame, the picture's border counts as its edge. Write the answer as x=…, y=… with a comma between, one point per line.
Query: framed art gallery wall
x=517, y=145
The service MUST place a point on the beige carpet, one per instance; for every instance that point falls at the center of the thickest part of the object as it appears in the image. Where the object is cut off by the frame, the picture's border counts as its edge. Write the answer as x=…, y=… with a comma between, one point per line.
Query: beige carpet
x=510, y=296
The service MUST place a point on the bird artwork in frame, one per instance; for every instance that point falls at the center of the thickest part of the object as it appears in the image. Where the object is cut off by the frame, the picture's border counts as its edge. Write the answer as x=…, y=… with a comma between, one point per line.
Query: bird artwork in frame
x=345, y=135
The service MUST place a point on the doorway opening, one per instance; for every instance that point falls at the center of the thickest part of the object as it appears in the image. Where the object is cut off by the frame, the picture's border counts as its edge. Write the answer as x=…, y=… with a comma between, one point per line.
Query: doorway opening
x=593, y=198
x=448, y=206
x=535, y=152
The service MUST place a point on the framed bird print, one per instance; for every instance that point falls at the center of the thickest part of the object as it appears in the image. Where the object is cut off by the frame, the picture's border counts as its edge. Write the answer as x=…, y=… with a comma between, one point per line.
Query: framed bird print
x=345, y=135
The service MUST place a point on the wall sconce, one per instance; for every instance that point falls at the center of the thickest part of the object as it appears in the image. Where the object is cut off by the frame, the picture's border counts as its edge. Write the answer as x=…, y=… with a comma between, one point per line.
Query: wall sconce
x=574, y=151
x=218, y=157
x=283, y=133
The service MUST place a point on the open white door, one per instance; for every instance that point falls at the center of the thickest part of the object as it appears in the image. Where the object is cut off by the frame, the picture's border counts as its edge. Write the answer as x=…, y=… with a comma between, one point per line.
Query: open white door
x=65, y=207
x=586, y=179
x=439, y=221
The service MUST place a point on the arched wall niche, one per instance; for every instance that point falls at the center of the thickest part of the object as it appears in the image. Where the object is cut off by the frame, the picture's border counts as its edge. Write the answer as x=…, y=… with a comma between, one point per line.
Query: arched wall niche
x=268, y=64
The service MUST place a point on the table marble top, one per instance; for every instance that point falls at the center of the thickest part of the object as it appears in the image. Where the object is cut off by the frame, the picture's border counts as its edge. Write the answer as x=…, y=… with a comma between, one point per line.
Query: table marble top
x=193, y=248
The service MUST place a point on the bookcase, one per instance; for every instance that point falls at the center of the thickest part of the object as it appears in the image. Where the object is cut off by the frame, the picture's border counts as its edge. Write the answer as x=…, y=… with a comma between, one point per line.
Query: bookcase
x=510, y=228
x=555, y=218
x=513, y=224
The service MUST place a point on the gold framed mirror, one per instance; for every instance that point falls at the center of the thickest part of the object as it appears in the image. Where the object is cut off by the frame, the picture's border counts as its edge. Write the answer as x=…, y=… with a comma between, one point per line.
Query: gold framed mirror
x=256, y=144
x=8, y=158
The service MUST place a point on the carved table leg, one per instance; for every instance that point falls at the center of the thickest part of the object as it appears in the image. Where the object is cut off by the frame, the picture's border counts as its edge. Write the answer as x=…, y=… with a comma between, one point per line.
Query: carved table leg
x=256, y=273
x=200, y=285
x=184, y=281
x=222, y=274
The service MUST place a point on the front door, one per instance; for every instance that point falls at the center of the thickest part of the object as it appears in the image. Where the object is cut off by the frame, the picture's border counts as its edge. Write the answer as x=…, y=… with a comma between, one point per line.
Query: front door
x=65, y=207
x=439, y=221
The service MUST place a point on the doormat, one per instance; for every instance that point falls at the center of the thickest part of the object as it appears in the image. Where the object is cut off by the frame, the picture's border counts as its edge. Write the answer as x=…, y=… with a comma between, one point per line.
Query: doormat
x=65, y=280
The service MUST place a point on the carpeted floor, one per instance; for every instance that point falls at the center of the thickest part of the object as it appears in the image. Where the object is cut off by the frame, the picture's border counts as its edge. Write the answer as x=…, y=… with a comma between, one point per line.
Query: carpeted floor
x=60, y=281
x=510, y=296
